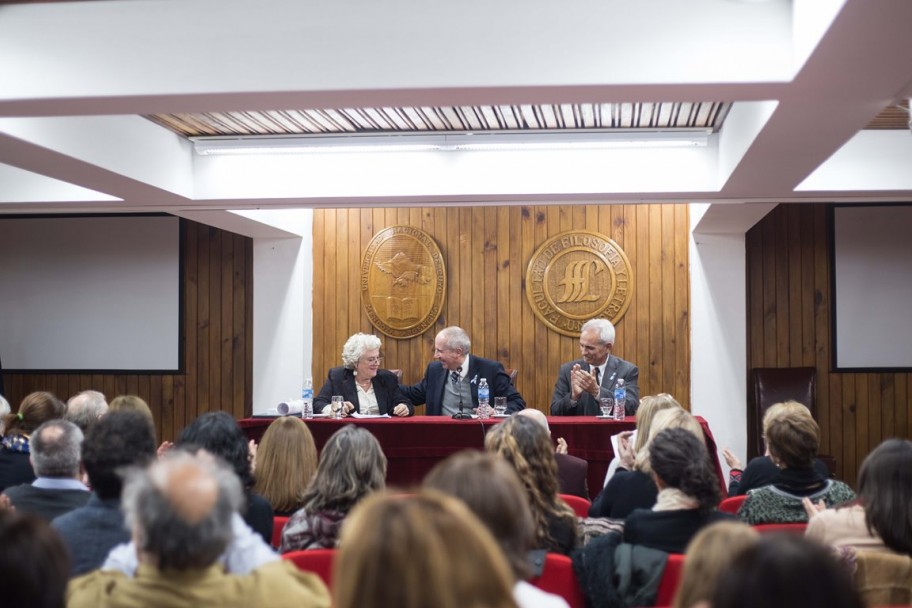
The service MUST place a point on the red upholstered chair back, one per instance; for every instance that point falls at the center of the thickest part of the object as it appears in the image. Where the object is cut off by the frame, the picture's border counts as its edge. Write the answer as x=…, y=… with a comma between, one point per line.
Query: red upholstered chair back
x=579, y=504
x=558, y=578
x=278, y=524
x=671, y=578
x=773, y=385
x=786, y=528
x=732, y=504
x=318, y=561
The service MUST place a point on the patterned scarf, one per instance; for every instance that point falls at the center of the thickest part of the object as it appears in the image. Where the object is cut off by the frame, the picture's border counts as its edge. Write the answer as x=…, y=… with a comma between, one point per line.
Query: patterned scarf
x=16, y=443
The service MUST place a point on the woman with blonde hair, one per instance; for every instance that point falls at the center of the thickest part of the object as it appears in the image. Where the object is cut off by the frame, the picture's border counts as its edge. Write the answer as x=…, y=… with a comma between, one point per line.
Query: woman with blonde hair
x=709, y=553
x=418, y=551
x=634, y=488
x=36, y=409
x=352, y=465
x=526, y=446
x=286, y=461
x=761, y=471
x=630, y=442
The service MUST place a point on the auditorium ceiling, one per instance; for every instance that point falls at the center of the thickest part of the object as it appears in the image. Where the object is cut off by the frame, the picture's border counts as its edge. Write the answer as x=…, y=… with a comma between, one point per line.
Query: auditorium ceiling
x=146, y=105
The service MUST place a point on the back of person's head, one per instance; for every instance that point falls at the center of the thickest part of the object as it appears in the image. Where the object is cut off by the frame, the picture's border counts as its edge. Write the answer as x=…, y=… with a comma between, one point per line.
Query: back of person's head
x=84, y=409
x=56, y=449
x=537, y=416
x=36, y=409
x=885, y=491
x=435, y=550
x=180, y=508
x=649, y=407
x=120, y=439
x=785, y=571
x=681, y=461
x=352, y=465
x=286, y=461
x=792, y=440
x=709, y=553
x=526, y=446
x=491, y=490
x=132, y=403
x=670, y=418
x=34, y=562
x=219, y=434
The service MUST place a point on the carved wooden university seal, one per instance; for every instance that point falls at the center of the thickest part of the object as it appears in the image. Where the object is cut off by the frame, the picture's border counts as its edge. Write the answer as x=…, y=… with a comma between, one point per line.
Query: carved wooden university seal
x=576, y=276
x=403, y=281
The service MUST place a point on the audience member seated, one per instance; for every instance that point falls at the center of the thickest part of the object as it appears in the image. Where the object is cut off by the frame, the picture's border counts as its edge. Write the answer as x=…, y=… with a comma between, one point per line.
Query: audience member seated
x=761, y=471
x=572, y=472
x=4, y=410
x=688, y=493
x=491, y=490
x=419, y=551
x=631, y=442
x=709, y=553
x=526, y=446
x=34, y=565
x=364, y=387
x=286, y=461
x=56, y=459
x=219, y=434
x=132, y=403
x=85, y=409
x=352, y=465
x=117, y=441
x=450, y=383
x=634, y=488
x=180, y=513
x=792, y=440
x=785, y=571
x=35, y=409
x=881, y=518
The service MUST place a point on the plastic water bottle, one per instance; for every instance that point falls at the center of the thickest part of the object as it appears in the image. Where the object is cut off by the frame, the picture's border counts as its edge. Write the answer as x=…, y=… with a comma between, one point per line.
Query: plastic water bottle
x=620, y=399
x=307, y=396
x=484, y=399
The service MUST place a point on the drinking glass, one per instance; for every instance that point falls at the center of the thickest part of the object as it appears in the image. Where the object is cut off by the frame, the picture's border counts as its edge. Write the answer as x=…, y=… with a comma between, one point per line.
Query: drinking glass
x=336, y=406
x=606, y=404
x=500, y=406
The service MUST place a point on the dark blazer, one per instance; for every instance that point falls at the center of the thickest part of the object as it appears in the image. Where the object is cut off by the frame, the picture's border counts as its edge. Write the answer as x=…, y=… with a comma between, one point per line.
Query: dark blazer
x=587, y=405
x=573, y=474
x=430, y=389
x=669, y=531
x=624, y=492
x=45, y=502
x=341, y=381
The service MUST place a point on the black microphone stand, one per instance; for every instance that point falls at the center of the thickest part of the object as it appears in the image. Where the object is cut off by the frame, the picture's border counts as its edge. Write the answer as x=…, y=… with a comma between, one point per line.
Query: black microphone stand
x=460, y=415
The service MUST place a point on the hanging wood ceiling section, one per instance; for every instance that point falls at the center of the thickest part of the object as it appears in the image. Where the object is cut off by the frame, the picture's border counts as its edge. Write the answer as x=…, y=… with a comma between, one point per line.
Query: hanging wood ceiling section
x=551, y=117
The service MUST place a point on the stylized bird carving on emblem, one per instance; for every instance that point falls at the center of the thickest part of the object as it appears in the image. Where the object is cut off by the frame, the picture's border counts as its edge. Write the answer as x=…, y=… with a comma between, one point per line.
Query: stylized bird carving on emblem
x=404, y=271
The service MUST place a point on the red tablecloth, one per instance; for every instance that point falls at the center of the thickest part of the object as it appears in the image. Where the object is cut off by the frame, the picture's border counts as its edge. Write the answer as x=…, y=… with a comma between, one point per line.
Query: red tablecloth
x=414, y=445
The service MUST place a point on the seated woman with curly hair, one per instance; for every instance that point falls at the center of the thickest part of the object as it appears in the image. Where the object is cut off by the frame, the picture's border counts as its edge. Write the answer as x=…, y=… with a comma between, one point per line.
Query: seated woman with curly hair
x=526, y=446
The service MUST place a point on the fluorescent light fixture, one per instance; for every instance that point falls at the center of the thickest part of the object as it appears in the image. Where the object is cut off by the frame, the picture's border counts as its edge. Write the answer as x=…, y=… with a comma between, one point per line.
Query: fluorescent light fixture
x=418, y=142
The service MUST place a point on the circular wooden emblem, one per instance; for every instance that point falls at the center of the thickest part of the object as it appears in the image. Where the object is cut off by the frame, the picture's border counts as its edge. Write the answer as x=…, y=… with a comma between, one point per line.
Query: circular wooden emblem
x=403, y=281
x=576, y=276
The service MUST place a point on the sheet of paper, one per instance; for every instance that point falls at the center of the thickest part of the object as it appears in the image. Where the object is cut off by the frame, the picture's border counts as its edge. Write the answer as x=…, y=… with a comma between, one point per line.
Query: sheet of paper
x=359, y=415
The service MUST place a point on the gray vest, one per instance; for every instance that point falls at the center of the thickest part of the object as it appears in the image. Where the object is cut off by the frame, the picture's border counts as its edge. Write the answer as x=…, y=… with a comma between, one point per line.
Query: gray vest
x=452, y=393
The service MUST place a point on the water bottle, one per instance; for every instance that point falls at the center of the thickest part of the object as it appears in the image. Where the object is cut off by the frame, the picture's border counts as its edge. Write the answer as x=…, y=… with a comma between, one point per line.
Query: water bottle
x=484, y=398
x=620, y=399
x=307, y=396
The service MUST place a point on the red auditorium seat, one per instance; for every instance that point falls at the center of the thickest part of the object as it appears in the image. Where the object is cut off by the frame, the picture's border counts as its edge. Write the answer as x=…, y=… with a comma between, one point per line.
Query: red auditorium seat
x=278, y=524
x=558, y=578
x=318, y=561
x=579, y=504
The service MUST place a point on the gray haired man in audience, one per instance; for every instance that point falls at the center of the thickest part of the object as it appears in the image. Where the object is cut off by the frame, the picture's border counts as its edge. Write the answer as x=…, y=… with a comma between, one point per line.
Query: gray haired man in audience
x=85, y=408
x=180, y=511
x=55, y=457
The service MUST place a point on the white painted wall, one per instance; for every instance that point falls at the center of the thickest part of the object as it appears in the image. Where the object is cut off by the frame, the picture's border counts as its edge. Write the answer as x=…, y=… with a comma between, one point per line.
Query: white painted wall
x=718, y=304
x=282, y=313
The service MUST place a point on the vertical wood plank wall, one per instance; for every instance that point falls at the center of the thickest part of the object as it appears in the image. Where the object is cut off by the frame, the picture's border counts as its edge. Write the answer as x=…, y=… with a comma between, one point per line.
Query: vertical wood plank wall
x=487, y=250
x=218, y=335
x=788, y=319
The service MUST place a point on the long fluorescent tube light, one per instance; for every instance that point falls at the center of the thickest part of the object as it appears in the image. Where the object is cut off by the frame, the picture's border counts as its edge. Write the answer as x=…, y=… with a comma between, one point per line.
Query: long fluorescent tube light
x=416, y=142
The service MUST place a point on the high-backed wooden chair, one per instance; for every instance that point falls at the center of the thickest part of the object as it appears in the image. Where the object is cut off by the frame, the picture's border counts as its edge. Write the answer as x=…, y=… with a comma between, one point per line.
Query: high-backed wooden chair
x=512, y=373
x=398, y=373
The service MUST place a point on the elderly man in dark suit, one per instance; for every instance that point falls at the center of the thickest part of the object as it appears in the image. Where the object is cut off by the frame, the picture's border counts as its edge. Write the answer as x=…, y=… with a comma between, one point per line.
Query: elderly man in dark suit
x=581, y=382
x=450, y=383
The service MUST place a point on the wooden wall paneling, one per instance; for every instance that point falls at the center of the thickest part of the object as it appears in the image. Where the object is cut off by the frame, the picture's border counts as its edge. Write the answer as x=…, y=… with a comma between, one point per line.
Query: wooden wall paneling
x=807, y=290
x=224, y=383
x=642, y=302
x=215, y=323
x=198, y=399
x=681, y=304
x=237, y=394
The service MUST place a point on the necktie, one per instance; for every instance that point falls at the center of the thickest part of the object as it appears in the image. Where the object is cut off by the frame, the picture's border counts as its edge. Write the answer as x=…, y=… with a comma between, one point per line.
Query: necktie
x=454, y=376
x=598, y=380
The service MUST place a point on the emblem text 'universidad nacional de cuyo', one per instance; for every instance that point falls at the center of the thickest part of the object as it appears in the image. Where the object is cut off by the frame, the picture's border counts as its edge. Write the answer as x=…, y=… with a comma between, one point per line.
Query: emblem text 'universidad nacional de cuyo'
x=576, y=276
x=403, y=281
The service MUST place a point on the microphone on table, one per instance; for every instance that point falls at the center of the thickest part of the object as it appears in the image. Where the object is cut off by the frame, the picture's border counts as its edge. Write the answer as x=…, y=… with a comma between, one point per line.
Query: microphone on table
x=460, y=415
